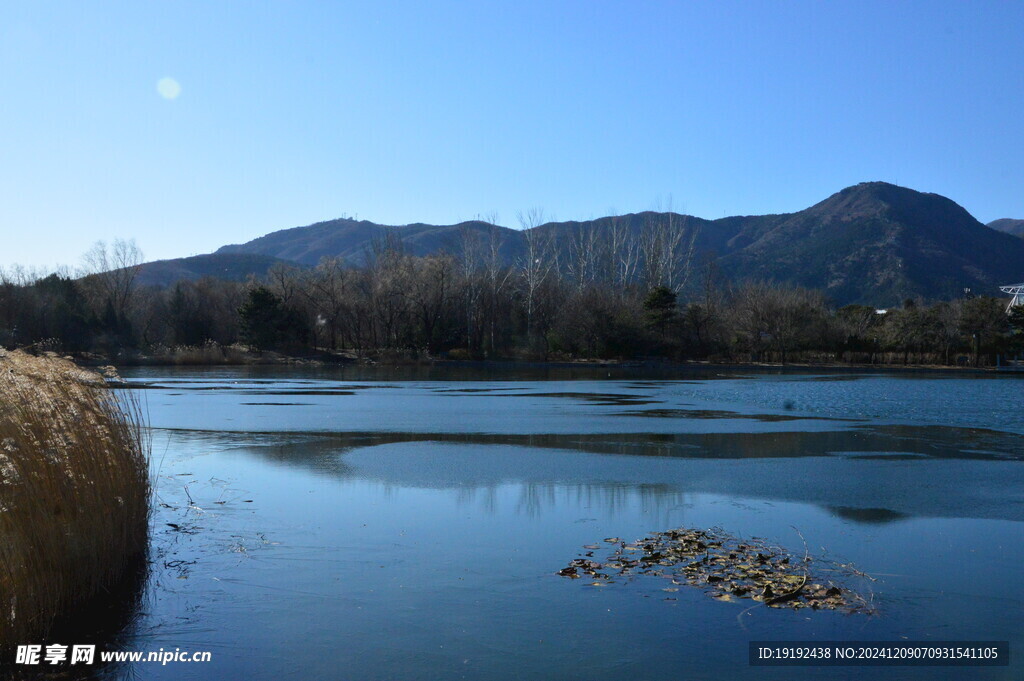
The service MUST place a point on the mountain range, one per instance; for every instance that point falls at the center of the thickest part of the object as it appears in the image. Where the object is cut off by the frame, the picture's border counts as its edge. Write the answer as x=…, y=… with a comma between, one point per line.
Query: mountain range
x=873, y=243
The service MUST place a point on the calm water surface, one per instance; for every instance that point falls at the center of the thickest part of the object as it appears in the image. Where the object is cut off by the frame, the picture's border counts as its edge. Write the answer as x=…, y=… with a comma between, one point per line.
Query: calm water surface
x=354, y=525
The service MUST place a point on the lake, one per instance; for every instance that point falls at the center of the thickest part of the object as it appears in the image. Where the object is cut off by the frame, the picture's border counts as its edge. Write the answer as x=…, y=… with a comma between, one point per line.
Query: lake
x=360, y=523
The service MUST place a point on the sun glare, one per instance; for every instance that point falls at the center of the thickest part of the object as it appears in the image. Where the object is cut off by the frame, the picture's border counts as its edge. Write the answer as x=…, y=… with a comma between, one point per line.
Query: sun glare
x=168, y=88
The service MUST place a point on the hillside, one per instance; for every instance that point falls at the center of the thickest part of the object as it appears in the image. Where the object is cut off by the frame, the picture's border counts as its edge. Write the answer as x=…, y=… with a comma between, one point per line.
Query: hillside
x=873, y=243
x=1009, y=225
x=229, y=266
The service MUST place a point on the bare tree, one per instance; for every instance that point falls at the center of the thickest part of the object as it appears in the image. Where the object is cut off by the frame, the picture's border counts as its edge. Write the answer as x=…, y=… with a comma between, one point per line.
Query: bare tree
x=537, y=262
x=624, y=253
x=667, y=245
x=113, y=273
x=286, y=281
x=391, y=280
x=496, y=277
x=328, y=294
x=583, y=256
x=429, y=293
x=471, y=259
x=774, y=317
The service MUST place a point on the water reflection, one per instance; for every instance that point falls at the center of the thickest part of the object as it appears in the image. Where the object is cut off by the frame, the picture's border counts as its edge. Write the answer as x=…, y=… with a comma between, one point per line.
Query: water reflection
x=868, y=515
x=711, y=414
x=909, y=471
x=876, y=442
x=112, y=621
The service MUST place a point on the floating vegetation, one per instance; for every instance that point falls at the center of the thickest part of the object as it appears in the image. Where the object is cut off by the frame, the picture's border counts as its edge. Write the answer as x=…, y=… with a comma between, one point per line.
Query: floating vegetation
x=727, y=568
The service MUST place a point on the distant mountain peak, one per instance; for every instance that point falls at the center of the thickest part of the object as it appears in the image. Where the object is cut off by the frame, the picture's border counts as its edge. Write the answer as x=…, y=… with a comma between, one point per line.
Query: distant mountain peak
x=1008, y=225
x=885, y=192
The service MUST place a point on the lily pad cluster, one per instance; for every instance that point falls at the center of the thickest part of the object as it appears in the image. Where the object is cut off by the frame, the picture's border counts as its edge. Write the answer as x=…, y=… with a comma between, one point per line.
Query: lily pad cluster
x=726, y=567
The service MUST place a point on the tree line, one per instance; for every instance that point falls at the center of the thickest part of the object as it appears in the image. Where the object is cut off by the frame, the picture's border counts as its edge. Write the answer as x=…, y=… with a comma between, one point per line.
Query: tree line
x=640, y=299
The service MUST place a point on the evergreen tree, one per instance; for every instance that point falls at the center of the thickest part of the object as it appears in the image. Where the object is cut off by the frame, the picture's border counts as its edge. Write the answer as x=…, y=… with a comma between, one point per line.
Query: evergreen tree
x=268, y=324
x=660, y=308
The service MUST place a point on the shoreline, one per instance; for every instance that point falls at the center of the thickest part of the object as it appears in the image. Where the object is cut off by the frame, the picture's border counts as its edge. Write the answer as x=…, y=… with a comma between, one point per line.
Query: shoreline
x=502, y=365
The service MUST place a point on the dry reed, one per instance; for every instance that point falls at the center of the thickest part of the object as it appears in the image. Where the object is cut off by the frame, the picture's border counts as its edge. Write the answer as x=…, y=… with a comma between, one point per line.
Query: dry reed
x=74, y=492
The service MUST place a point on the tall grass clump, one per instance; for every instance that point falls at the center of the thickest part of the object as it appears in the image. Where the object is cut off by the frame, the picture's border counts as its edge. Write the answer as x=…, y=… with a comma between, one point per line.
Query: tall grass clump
x=74, y=492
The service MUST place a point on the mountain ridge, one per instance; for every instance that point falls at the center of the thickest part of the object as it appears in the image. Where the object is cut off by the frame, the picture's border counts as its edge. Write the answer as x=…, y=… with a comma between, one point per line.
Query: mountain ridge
x=873, y=243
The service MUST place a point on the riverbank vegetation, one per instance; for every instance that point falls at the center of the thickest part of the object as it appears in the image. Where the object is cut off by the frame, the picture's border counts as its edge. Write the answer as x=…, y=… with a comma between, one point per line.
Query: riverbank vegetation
x=74, y=492
x=637, y=302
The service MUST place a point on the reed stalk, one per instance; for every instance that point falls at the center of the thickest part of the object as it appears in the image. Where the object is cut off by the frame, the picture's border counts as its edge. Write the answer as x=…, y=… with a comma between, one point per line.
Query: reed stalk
x=74, y=492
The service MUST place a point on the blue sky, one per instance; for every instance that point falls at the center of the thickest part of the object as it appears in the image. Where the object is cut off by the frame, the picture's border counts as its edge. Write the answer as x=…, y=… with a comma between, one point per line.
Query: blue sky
x=294, y=112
